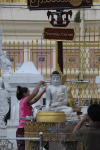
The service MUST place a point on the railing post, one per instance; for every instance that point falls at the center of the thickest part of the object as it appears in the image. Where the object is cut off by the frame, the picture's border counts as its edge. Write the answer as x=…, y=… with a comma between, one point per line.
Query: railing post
x=41, y=140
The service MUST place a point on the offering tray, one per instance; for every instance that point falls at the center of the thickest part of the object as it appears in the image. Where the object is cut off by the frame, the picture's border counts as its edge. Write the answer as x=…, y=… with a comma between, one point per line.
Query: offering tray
x=72, y=120
x=29, y=118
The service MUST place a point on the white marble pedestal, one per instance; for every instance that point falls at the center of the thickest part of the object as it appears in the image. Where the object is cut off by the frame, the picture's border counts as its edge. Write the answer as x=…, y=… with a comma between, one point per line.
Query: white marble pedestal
x=11, y=132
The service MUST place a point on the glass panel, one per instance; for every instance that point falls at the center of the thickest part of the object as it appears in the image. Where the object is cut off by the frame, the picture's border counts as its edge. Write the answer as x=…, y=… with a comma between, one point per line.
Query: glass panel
x=72, y=59
x=11, y=58
x=43, y=58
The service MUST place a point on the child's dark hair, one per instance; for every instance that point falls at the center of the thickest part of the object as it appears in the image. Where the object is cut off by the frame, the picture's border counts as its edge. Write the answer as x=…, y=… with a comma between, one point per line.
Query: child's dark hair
x=94, y=112
x=20, y=91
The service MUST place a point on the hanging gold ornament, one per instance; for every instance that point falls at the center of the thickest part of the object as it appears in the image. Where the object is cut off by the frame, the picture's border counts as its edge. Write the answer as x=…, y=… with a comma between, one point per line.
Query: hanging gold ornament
x=75, y=2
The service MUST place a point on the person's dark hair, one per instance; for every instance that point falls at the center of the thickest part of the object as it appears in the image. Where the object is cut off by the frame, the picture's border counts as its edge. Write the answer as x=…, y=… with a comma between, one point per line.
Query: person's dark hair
x=20, y=91
x=94, y=112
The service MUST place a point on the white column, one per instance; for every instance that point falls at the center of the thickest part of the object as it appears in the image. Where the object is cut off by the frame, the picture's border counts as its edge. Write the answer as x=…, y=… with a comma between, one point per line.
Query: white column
x=12, y=124
x=82, y=39
x=14, y=102
x=4, y=107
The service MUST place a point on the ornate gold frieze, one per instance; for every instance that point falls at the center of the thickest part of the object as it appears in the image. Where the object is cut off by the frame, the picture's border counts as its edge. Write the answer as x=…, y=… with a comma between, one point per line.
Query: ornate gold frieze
x=64, y=133
x=96, y=1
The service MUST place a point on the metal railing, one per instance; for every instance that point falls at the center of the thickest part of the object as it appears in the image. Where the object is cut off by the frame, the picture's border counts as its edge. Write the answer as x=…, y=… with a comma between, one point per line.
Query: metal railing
x=40, y=138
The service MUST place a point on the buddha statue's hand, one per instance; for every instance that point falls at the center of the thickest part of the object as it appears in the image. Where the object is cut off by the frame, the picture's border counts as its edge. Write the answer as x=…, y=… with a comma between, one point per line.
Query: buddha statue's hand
x=60, y=100
x=55, y=104
x=63, y=103
x=47, y=109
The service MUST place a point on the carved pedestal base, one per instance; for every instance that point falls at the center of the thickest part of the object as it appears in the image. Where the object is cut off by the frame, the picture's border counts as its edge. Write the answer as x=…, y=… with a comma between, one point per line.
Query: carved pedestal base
x=70, y=145
x=33, y=145
x=52, y=132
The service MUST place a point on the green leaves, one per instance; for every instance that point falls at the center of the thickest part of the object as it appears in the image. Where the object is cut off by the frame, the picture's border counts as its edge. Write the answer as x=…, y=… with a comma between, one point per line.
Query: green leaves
x=77, y=17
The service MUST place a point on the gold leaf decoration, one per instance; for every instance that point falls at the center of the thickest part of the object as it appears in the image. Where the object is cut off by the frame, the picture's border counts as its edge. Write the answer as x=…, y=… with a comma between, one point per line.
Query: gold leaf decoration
x=63, y=76
x=75, y=2
x=58, y=69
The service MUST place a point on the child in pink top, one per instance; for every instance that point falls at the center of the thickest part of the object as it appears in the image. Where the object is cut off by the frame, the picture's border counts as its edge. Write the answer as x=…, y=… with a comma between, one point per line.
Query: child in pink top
x=25, y=108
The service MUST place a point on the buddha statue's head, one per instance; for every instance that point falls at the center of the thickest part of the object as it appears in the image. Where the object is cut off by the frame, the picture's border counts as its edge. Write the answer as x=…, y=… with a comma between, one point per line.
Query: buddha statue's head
x=55, y=78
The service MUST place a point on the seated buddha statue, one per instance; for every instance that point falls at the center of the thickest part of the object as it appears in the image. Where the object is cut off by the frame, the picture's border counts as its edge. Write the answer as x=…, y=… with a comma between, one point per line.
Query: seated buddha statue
x=56, y=95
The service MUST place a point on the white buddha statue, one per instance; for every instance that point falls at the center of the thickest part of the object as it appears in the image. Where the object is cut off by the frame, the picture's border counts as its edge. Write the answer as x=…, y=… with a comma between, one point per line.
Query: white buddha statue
x=58, y=94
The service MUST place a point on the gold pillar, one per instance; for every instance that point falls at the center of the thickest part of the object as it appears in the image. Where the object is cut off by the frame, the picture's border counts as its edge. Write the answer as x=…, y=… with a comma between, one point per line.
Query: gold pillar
x=23, y=51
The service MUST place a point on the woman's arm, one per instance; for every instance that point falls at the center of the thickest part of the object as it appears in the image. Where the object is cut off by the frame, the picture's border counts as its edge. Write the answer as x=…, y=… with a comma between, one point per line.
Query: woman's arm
x=35, y=92
x=78, y=126
x=37, y=97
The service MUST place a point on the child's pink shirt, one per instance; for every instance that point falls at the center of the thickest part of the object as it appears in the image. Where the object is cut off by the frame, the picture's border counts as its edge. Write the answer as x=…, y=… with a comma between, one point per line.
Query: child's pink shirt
x=24, y=110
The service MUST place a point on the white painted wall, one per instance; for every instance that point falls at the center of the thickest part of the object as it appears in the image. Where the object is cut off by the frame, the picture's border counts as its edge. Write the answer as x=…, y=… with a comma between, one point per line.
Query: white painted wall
x=25, y=14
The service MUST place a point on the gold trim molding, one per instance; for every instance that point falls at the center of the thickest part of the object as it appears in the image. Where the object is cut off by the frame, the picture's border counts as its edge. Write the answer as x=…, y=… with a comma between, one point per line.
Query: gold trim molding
x=96, y=1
